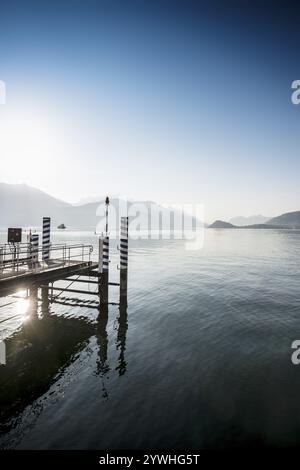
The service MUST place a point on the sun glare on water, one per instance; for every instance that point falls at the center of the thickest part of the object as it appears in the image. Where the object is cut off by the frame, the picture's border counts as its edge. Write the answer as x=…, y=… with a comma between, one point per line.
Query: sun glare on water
x=22, y=305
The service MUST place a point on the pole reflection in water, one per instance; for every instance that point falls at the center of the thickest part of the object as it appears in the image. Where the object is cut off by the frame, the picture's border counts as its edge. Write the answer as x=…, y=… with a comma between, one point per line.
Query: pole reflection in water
x=102, y=340
x=103, y=367
x=121, y=337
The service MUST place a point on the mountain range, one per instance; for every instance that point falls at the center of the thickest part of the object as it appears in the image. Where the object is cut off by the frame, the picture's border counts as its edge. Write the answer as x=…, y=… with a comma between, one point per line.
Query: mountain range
x=24, y=206
x=253, y=219
x=284, y=221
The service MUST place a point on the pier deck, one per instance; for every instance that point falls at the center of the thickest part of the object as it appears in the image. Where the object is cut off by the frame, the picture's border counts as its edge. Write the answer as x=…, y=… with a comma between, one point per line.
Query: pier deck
x=40, y=276
x=18, y=271
x=30, y=266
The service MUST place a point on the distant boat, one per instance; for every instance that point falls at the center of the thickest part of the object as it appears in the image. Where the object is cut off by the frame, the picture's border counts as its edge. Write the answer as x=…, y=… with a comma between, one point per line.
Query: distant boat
x=61, y=227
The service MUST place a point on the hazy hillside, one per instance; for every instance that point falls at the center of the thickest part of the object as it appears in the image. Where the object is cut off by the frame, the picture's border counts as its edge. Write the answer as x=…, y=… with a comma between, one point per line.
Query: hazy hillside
x=21, y=205
x=221, y=224
x=291, y=219
x=251, y=220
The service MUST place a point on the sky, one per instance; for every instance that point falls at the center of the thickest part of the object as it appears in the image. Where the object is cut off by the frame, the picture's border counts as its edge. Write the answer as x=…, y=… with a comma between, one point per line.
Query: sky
x=170, y=101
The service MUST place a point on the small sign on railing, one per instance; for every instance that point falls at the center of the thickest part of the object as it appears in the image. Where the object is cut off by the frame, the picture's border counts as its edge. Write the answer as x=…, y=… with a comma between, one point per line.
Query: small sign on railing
x=14, y=235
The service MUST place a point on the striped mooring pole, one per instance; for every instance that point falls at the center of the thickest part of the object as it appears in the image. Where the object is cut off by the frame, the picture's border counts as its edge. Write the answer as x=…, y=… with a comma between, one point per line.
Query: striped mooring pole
x=123, y=260
x=103, y=269
x=34, y=250
x=46, y=238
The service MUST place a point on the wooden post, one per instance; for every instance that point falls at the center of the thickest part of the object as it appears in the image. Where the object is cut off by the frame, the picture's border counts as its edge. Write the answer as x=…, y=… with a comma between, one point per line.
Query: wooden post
x=46, y=238
x=103, y=270
x=45, y=298
x=124, y=261
x=33, y=296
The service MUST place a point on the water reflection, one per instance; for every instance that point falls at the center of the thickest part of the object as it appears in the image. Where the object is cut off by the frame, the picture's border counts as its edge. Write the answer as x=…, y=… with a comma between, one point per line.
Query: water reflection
x=121, y=338
x=22, y=306
x=45, y=345
x=102, y=341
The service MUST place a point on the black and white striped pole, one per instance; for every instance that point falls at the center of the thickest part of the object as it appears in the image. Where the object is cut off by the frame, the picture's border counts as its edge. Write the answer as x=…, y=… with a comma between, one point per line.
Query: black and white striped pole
x=103, y=269
x=123, y=260
x=46, y=238
x=106, y=215
x=34, y=250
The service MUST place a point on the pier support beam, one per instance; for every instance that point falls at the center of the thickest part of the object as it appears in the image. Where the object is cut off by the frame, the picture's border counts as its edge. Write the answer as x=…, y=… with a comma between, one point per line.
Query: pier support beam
x=46, y=238
x=103, y=270
x=123, y=261
x=33, y=299
x=45, y=298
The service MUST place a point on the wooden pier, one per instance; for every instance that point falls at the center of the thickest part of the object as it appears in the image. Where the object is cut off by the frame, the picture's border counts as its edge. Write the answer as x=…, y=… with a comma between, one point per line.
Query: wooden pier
x=40, y=277
x=15, y=275
x=27, y=266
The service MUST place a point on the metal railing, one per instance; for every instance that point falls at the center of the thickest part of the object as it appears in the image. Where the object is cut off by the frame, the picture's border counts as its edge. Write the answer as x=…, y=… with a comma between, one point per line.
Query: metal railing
x=21, y=256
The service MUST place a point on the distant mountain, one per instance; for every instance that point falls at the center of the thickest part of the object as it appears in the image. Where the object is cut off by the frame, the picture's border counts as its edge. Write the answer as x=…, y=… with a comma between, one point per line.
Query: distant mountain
x=251, y=220
x=291, y=219
x=262, y=226
x=88, y=200
x=23, y=206
x=221, y=224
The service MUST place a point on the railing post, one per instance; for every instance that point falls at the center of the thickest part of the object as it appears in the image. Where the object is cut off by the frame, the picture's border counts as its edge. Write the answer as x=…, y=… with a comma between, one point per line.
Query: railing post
x=1, y=260
x=46, y=239
x=18, y=257
x=124, y=260
x=103, y=270
x=29, y=250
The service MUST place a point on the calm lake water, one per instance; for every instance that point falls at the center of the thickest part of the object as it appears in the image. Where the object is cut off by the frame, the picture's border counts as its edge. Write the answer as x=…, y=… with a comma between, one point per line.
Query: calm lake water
x=201, y=359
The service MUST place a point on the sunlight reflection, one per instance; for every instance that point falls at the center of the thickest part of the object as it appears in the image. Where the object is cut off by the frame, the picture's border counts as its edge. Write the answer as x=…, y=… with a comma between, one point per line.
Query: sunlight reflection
x=22, y=306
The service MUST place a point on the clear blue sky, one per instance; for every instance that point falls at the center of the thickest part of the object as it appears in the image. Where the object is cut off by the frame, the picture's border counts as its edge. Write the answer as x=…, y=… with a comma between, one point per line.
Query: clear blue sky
x=173, y=101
